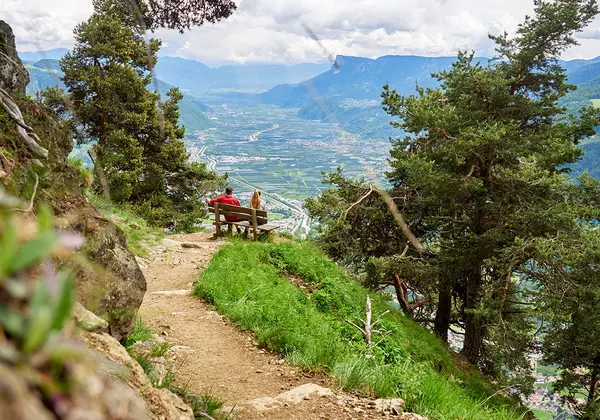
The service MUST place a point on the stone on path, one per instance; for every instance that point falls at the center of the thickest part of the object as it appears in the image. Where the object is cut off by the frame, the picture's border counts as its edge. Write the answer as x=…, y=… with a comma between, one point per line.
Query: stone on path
x=172, y=292
x=291, y=397
x=392, y=405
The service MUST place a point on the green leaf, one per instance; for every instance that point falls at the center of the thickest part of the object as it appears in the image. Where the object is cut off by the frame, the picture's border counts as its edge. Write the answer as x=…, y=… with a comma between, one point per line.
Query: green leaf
x=8, y=244
x=39, y=328
x=12, y=321
x=41, y=296
x=64, y=303
x=33, y=251
x=44, y=217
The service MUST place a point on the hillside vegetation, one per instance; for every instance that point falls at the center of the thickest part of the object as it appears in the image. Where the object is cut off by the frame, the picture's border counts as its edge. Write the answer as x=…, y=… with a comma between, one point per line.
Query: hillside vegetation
x=298, y=302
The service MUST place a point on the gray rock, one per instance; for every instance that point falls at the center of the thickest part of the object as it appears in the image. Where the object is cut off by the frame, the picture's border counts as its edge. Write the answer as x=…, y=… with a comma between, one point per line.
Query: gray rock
x=411, y=416
x=160, y=403
x=291, y=397
x=391, y=405
x=13, y=75
x=296, y=395
x=87, y=321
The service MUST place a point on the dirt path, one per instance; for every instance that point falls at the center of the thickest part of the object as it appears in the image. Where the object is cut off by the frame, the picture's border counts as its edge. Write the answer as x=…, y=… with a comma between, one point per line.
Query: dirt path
x=215, y=357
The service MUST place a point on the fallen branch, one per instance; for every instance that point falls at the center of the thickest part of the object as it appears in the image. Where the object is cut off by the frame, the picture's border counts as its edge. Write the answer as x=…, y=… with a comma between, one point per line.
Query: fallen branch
x=25, y=132
x=389, y=201
x=402, y=296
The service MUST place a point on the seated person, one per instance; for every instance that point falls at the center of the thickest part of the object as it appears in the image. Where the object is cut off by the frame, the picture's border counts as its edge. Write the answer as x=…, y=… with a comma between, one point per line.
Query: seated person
x=257, y=203
x=228, y=198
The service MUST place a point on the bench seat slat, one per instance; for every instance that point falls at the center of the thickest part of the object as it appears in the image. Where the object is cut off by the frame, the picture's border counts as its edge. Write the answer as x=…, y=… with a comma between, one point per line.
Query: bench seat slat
x=242, y=216
x=225, y=208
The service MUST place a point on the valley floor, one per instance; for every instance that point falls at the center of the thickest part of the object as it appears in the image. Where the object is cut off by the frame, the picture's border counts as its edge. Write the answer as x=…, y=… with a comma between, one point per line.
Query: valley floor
x=215, y=357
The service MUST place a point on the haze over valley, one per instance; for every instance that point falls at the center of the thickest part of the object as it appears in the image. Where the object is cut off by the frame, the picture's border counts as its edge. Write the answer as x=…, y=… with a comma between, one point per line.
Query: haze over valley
x=277, y=127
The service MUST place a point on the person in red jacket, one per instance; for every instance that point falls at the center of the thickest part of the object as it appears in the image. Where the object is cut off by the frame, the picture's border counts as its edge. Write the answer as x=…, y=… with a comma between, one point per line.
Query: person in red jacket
x=228, y=198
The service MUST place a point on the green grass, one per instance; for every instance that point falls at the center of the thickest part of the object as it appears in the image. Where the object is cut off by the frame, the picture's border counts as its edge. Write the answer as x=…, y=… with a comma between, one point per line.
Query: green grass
x=139, y=234
x=141, y=332
x=247, y=282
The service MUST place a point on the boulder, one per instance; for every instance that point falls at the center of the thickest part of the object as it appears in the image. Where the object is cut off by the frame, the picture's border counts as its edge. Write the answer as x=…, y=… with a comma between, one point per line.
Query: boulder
x=110, y=284
x=13, y=75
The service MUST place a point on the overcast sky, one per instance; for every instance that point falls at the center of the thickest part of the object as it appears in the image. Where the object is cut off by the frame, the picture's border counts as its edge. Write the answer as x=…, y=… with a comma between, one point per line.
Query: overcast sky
x=273, y=30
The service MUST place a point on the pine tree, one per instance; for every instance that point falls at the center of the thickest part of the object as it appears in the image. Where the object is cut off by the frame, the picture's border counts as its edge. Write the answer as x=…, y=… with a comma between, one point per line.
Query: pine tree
x=482, y=180
x=139, y=155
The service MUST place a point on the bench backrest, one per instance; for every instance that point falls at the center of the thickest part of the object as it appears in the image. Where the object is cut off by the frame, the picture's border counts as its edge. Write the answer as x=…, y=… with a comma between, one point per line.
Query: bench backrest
x=242, y=213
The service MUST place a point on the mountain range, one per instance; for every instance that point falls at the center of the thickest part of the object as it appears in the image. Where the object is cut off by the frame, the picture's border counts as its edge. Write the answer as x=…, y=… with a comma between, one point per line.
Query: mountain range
x=347, y=92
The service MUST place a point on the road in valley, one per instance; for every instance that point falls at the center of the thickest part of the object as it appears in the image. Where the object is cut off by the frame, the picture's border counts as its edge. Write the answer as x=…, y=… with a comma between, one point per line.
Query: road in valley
x=301, y=219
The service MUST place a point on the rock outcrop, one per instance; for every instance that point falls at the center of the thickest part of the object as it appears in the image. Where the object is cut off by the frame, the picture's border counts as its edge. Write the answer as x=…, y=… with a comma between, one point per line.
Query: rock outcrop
x=13, y=76
x=111, y=285
x=160, y=403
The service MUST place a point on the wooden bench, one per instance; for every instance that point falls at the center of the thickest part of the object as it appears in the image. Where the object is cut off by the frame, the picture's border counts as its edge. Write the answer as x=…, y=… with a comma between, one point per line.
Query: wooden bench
x=255, y=220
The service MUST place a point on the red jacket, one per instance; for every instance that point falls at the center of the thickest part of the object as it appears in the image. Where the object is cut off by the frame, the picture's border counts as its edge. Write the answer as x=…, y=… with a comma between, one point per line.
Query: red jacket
x=227, y=199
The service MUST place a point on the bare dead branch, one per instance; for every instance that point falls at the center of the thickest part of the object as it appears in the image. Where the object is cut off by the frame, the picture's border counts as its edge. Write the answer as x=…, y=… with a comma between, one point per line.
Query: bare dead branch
x=363, y=198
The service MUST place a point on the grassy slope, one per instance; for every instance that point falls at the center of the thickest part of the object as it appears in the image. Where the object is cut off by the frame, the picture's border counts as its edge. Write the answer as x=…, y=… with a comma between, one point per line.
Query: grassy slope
x=247, y=282
x=139, y=234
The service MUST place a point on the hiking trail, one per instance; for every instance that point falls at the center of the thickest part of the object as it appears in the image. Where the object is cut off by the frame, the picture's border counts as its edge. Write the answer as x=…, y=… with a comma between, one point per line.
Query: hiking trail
x=213, y=356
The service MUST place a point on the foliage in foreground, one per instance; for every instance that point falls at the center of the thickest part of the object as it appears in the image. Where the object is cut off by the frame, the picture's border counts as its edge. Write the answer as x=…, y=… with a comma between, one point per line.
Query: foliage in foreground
x=248, y=282
x=36, y=303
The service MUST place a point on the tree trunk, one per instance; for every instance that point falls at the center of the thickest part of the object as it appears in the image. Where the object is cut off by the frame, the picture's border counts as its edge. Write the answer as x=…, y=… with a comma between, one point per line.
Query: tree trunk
x=595, y=380
x=474, y=333
x=473, y=339
x=443, y=312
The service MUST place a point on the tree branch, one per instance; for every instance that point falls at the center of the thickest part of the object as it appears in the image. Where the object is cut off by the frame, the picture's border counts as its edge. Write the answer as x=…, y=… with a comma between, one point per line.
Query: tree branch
x=363, y=198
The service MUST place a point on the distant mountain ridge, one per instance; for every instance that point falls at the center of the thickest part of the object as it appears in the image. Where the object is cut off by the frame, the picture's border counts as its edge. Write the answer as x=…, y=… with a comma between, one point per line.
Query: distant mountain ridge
x=193, y=75
x=349, y=92
x=55, y=54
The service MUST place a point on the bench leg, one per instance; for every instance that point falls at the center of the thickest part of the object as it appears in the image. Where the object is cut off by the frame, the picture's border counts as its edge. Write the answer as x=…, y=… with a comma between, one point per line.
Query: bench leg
x=229, y=229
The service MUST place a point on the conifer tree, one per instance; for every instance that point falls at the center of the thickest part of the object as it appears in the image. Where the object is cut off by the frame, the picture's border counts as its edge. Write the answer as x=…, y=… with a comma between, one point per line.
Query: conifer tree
x=482, y=179
x=137, y=140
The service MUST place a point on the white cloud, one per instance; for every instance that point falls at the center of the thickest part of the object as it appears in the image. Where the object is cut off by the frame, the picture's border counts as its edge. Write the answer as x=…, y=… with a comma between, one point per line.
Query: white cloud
x=273, y=30
x=44, y=24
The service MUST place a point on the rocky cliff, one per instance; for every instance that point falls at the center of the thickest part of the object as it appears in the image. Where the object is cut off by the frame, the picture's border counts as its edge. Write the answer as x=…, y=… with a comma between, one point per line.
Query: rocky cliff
x=111, y=285
x=81, y=371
